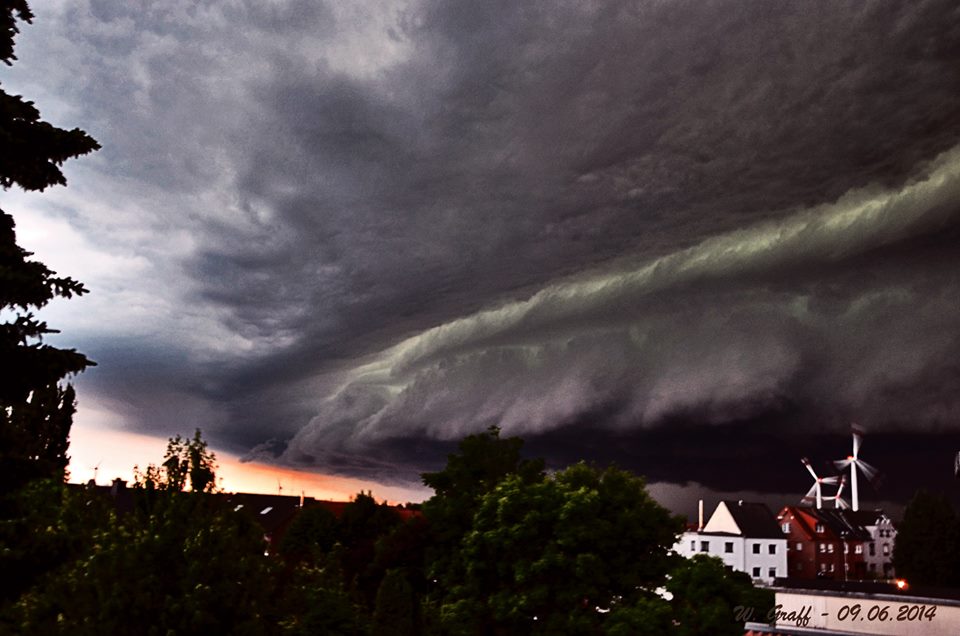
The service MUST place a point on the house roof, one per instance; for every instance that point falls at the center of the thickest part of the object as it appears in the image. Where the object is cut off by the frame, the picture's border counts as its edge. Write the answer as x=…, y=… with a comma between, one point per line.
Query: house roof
x=754, y=520
x=844, y=525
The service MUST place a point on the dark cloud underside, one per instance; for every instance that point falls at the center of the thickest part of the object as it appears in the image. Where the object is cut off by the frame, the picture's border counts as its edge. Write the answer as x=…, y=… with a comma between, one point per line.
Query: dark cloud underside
x=651, y=221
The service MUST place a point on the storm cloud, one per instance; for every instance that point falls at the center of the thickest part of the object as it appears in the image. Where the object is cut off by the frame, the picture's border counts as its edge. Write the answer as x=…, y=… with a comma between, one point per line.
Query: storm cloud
x=343, y=237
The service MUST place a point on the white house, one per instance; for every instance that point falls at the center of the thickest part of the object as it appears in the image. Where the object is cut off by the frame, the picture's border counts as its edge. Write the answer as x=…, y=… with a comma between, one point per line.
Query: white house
x=745, y=536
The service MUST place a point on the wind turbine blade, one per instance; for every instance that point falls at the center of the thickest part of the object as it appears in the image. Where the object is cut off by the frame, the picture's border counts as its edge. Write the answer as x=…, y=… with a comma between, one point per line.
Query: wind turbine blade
x=857, y=440
x=843, y=504
x=828, y=480
x=869, y=471
x=843, y=482
x=806, y=462
x=842, y=464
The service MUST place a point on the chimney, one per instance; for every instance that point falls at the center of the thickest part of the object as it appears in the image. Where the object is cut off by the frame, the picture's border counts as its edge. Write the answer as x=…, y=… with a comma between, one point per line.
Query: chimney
x=118, y=487
x=700, y=511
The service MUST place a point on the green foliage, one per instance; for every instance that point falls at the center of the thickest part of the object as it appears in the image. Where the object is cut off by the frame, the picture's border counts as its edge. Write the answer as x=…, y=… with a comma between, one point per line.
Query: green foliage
x=316, y=602
x=35, y=412
x=396, y=608
x=705, y=593
x=186, y=567
x=483, y=461
x=927, y=550
x=44, y=525
x=543, y=556
x=362, y=524
x=310, y=536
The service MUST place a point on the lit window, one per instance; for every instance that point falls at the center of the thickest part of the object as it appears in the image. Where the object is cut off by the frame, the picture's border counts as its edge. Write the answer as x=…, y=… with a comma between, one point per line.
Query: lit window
x=799, y=546
x=858, y=549
x=823, y=548
x=886, y=549
x=266, y=510
x=846, y=548
x=830, y=548
x=786, y=527
x=831, y=567
x=820, y=528
x=728, y=547
x=772, y=548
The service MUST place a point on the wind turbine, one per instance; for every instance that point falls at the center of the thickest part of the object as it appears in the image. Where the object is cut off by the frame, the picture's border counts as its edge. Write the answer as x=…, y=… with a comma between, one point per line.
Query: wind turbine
x=838, y=501
x=815, y=488
x=854, y=462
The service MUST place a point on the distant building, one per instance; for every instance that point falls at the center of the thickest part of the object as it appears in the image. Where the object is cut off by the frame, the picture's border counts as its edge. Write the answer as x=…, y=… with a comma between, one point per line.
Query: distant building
x=745, y=536
x=837, y=544
x=878, y=549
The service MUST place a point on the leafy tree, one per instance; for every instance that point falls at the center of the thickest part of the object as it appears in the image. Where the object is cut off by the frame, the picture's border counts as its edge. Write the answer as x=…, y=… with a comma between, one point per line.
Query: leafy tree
x=705, y=593
x=183, y=459
x=47, y=524
x=316, y=602
x=361, y=526
x=927, y=550
x=395, y=612
x=187, y=567
x=34, y=412
x=483, y=461
x=311, y=535
x=552, y=556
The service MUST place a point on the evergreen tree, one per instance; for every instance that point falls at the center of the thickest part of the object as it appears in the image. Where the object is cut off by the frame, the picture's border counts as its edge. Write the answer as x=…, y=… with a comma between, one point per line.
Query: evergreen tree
x=35, y=412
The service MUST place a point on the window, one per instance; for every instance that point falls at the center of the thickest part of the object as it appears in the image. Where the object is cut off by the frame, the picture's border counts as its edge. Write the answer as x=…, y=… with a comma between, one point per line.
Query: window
x=772, y=573
x=830, y=548
x=820, y=528
x=873, y=549
x=886, y=549
x=756, y=548
x=786, y=527
x=693, y=546
x=728, y=547
x=823, y=548
x=823, y=567
x=756, y=573
x=831, y=567
x=704, y=546
x=858, y=549
x=873, y=567
x=772, y=548
x=799, y=546
x=846, y=548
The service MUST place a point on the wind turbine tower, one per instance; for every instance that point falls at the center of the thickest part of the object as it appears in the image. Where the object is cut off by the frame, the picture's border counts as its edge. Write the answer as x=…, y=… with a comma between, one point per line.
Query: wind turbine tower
x=854, y=462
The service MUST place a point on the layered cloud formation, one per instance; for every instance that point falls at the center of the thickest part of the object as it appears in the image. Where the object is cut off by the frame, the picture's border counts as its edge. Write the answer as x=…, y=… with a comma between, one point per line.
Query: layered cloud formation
x=345, y=235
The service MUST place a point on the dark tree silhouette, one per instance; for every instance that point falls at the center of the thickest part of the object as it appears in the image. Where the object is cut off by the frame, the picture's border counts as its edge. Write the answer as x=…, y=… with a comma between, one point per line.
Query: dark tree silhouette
x=927, y=550
x=35, y=412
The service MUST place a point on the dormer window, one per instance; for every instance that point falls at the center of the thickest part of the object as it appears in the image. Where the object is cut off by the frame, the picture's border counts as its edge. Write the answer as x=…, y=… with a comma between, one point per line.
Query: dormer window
x=785, y=527
x=820, y=528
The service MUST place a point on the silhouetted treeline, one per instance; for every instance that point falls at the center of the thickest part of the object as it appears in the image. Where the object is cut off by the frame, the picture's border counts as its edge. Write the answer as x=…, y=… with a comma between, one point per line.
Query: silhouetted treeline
x=501, y=548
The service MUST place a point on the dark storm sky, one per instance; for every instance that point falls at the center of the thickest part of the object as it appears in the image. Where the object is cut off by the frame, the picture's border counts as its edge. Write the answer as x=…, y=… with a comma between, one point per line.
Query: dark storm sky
x=697, y=238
